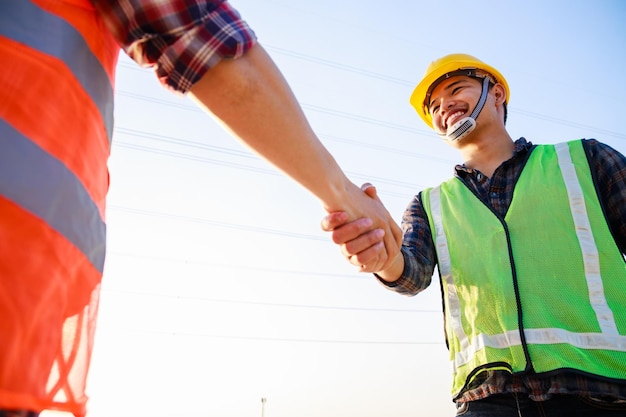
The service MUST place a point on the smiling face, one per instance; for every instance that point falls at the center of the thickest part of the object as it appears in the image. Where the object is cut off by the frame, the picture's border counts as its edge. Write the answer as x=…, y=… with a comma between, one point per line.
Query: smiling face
x=452, y=100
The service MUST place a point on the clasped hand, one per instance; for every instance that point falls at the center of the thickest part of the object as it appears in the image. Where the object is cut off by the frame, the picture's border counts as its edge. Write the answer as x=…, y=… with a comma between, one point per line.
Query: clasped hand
x=372, y=242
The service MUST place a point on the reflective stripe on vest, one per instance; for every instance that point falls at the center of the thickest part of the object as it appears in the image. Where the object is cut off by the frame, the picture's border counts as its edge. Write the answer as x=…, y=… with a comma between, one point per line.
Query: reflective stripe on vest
x=75, y=53
x=49, y=187
x=591, y=258
x=58, y=194
x=597, y=253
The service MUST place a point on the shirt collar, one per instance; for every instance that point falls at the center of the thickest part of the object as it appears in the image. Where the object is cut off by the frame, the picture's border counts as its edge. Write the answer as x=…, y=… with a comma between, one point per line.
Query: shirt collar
x=522, y=146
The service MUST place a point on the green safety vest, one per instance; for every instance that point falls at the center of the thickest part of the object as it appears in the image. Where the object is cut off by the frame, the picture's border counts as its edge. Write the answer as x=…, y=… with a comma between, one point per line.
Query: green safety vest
x=540, y=290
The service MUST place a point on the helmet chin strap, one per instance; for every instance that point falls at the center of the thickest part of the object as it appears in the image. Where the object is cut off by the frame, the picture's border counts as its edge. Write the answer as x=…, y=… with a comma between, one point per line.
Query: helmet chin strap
x=464, y=127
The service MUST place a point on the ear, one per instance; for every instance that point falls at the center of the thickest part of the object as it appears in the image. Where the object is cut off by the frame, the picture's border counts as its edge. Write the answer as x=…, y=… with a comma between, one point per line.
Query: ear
x=499, y=93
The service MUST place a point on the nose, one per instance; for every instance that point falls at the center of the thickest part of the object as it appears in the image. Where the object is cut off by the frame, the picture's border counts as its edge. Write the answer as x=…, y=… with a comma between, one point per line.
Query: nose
x=444, y=105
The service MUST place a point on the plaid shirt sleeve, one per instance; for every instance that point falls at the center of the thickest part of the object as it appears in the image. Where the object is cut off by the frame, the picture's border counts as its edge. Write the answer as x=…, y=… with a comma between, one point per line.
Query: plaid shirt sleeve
x=609, y=169
x=418, y=251
x=181, y=39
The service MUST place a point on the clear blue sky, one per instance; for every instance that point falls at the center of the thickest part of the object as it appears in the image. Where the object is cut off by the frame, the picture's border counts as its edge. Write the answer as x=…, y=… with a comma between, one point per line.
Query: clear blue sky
x=220, y=288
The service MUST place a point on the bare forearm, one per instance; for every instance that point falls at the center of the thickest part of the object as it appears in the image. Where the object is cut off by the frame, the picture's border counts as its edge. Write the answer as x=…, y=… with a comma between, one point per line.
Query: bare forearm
x=252, y=99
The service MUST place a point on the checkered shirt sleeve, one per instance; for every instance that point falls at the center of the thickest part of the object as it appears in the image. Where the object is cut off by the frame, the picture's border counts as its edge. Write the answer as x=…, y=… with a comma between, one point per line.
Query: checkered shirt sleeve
x=180, y=39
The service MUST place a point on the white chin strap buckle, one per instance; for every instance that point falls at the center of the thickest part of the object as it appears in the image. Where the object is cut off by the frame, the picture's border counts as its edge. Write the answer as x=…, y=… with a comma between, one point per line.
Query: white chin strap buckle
x=460, y=129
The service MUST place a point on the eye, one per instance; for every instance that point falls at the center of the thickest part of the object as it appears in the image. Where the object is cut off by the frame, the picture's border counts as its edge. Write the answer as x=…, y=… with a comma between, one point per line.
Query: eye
x=434, y=109
x=456, y=89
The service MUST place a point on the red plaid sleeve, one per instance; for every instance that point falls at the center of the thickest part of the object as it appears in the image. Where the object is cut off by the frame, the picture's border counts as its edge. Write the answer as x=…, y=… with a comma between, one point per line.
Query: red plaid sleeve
x=181, y=39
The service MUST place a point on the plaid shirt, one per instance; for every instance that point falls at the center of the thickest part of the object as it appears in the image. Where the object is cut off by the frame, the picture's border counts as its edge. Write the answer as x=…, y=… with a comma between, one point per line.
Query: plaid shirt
x=609, y=168
x=181, y=39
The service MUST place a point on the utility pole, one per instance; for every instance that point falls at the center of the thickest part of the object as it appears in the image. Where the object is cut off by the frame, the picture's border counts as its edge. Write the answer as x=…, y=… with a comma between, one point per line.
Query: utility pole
x=263, y=401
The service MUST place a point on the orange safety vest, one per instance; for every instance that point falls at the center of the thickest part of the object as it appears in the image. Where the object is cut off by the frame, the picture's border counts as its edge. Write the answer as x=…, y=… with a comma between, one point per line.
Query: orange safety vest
x=56, y=122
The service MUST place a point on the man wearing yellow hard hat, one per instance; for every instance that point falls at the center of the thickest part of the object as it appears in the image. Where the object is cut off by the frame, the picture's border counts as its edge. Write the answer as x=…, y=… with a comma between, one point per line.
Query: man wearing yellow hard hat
x=529, y=242
x=448, y=67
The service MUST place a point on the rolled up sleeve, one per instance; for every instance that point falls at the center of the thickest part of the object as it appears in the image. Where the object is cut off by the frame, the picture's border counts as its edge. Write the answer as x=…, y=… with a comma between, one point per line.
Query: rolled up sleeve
x=180, y=39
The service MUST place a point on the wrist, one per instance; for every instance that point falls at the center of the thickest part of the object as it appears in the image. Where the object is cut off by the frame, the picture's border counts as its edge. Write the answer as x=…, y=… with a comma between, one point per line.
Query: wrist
x=339, y=195
x=394, y=271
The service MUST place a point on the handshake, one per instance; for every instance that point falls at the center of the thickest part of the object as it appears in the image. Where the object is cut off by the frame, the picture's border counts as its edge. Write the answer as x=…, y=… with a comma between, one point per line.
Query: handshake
x=370, y=242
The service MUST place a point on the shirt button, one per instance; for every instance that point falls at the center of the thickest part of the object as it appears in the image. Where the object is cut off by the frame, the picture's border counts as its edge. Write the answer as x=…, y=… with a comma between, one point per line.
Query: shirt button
x=494, y=195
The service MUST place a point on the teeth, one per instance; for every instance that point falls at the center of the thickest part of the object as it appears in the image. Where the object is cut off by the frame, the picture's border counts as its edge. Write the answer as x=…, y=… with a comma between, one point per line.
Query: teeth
x=453, y=116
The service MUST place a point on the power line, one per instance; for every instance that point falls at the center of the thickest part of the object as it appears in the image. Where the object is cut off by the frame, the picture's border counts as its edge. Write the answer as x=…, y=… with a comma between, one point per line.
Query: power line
x=568, y=123
x=320, y=109
x=272, y=339
x=371, y=74
x=388, y=149
x=336, y=65
x=216, y=223
x=268, y=304
x=183, y=142
x=191, y=157
x=227, y=151
x=290, y=272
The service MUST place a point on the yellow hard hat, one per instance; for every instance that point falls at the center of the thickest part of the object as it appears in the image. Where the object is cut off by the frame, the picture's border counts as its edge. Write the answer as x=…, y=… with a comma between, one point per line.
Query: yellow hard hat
x=443, y=66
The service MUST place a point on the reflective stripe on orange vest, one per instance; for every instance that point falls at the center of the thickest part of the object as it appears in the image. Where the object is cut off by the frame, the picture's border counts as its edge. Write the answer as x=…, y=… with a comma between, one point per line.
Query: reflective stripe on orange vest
x=59, y=193
x=44, y=32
